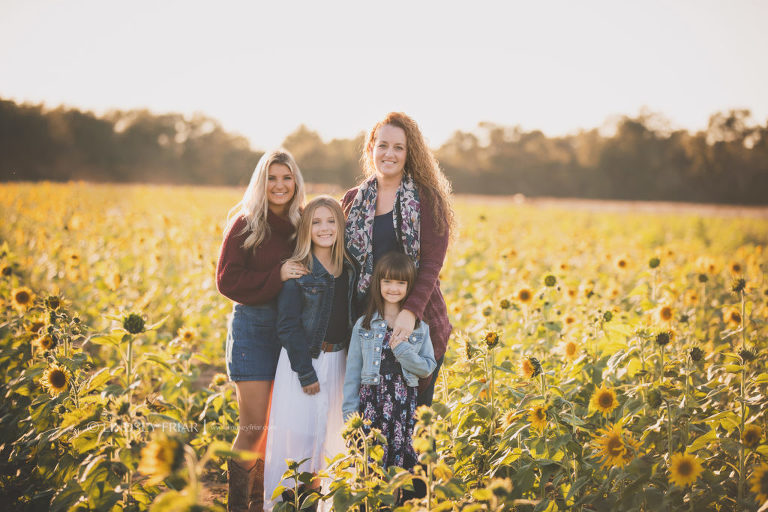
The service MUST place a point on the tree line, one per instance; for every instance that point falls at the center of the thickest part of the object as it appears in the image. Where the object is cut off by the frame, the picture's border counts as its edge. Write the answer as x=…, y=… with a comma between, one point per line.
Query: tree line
x=642, y=158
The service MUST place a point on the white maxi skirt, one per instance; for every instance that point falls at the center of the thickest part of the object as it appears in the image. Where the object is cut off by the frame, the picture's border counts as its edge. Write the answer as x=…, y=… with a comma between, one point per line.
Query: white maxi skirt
x=304, y=426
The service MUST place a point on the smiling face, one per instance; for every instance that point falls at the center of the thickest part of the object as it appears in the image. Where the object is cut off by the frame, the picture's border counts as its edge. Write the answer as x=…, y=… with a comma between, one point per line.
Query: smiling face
x=281, y=187
x=389, y=151
x=324, y=228
x=393, y=291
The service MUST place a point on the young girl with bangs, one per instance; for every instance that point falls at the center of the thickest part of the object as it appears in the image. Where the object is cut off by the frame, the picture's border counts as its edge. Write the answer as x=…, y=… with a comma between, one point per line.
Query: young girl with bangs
x=382, y=371
x=314, y=319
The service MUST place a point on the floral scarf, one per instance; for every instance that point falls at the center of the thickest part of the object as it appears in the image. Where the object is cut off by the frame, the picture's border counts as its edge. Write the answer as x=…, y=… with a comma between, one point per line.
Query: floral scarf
x=359, y=227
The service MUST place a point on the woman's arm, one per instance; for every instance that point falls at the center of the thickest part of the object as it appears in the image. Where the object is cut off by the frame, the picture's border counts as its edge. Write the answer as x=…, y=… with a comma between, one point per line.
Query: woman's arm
x=421, y=364
x=433, y=249
x=235, y=280
x=352, y=377
x=291, y=333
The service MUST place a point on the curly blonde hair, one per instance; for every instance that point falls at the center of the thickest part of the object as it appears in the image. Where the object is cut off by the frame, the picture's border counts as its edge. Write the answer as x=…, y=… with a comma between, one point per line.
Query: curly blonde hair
x=420, y=164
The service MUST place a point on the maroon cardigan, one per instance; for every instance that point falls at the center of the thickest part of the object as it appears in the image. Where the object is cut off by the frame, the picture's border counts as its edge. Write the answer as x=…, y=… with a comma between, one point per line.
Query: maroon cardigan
x=252, y=277
x=425, y=300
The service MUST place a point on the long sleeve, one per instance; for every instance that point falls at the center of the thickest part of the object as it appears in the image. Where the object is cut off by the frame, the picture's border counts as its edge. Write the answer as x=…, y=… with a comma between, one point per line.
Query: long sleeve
x=433, y=249
x=352, y=377
x=291, y=333
x=248, y=276
x=421, y=364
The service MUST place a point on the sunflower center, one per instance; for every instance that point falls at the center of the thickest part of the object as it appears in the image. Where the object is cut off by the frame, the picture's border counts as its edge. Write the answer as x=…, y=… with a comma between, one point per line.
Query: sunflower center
x=22, y=297
x=58, y=379
x=605, y=400
x=685, y=468
x=524, y=295
x=540, y=414
x=614, y=446
x=570, y=349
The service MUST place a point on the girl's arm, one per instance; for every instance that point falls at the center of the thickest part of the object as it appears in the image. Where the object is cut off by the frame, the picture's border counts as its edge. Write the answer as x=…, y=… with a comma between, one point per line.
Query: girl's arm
x=421, y=363
x=291, y=333
x=235, y=280
x=352, y=377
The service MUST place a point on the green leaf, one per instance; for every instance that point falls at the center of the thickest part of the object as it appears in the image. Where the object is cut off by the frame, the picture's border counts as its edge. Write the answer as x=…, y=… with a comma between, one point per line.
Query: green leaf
x=96, y=380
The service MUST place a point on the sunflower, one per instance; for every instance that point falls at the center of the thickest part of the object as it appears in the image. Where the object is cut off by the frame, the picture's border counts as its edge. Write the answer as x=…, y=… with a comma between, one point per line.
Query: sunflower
x=665, y=314
x=735, y=267
x=759, y=481
x=6, y=270
x=509, y=418
x=538, y=418
x=622, y=263
x=35, y=326
x=219, y=379
x=570, y=349
x=604, y=400
x=491, y=339
x=186, y=334
x=612, y=447
x=732, y=317
x=530, y=367
x=684, y=469
x=504, y=304
x=45, y=342
x=569, y=320
x=22, y=298
x=160, y=458
x=525, y=295
x=572, y=292
x=56, y=379
x=691, y=298
x=751, y=435
x=707, y=265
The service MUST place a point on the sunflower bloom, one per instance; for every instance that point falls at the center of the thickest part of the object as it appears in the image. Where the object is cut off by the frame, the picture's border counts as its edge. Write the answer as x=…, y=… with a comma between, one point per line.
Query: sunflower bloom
x=735, y=268
x=665, y=314
x=160, y=458
x=530, y=367
x=759, y=483
x=56, y=379
x=22, y=298
x=622, y=263
x=732, y=317
x=604, y=400
x=186, y=334
x=751, y=435
x=691, y=298
x=525, y=295
x=219, y=380
x=684, y=469
x=613, y=448
x=45, y=342
x=570, y=349
x=538, y=418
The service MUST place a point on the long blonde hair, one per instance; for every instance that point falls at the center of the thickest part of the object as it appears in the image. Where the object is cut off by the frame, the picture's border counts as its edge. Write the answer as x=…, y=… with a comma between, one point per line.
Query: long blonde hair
x=303, y=252
x=254, y=206
x=420, y=164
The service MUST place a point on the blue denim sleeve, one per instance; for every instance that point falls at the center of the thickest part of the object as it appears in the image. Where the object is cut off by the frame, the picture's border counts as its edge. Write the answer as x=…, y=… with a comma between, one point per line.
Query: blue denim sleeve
x=291, y=333
x=421, y=364
x=352, y=377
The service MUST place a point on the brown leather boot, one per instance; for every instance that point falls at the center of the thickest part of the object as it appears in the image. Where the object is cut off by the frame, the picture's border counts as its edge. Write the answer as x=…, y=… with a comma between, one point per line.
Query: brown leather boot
x=256, y=502
x=239, y=480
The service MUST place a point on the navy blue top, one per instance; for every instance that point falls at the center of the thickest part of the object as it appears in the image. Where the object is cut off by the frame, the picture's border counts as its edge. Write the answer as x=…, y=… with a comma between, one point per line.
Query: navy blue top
x=384, y=236
x=338, y=323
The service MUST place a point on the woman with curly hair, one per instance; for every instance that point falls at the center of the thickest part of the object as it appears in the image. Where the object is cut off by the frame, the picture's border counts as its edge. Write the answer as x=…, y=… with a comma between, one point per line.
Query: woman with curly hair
x=403, y=204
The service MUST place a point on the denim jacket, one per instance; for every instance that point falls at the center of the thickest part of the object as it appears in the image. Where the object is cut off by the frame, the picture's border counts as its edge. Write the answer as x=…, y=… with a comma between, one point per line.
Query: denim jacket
x=416, y=357
x=303, y=310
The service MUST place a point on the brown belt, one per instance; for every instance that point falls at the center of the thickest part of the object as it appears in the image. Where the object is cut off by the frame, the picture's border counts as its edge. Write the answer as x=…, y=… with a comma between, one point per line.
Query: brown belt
x=331, y=347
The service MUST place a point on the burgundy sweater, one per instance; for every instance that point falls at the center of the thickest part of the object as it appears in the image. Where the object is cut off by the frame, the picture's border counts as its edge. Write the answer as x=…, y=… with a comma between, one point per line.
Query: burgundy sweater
x=425, y=300
x=252, y=277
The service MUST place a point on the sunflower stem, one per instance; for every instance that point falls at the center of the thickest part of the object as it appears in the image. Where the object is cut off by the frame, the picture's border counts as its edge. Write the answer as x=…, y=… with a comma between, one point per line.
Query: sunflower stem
x=129, y=368
x=740, y=490
x=669, y=428
x=743, y=321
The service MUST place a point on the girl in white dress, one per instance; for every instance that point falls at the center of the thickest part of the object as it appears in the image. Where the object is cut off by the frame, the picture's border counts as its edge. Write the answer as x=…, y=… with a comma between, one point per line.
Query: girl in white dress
x=314, y=322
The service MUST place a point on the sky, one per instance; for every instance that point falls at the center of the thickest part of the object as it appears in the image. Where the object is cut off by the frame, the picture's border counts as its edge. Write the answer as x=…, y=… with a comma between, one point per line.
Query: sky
x=264, y=68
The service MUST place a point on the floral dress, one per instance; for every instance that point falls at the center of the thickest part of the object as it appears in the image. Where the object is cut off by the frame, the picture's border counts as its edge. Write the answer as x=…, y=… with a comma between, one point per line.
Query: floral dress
x=390, y=406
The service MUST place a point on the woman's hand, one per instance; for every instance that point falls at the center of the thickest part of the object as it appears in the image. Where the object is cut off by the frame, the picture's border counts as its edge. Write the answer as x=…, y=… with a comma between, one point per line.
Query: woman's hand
x=404, y=324
x=312, y=389
x=292, y=270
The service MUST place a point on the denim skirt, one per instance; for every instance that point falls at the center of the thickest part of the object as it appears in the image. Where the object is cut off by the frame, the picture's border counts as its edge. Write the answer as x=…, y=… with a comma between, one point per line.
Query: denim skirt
x=252, y=344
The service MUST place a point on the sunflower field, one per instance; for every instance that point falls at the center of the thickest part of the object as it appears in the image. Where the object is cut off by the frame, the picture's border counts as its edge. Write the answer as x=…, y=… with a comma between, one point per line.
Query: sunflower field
x=601, y=360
